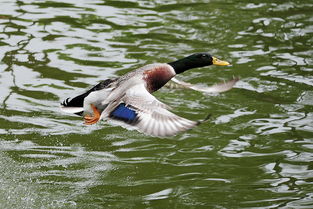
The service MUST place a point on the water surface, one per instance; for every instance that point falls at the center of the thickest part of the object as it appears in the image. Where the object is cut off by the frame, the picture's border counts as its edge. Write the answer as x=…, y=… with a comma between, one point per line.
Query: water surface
x=255, y=152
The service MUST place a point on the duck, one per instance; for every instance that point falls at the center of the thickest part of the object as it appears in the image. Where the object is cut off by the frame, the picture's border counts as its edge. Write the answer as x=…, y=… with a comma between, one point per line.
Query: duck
x=128, y=101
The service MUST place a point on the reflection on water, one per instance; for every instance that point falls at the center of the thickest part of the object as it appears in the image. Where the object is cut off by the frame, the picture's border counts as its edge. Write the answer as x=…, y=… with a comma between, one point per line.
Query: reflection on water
x=256, y=152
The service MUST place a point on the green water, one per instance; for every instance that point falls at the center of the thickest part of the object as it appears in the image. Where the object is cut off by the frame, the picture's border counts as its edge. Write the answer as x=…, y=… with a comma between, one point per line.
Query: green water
x=255, y=152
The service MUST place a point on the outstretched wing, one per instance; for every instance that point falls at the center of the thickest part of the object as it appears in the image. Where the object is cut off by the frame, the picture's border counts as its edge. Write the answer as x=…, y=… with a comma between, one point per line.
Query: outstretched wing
x=217, y=88
x=140, y=110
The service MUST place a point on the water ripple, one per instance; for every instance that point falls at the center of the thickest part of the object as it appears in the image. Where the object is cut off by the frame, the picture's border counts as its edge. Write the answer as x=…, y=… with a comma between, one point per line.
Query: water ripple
x=255, y=152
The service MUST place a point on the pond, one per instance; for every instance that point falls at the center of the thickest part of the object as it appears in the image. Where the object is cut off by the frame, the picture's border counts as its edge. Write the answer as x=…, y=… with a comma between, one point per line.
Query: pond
x=256, y=151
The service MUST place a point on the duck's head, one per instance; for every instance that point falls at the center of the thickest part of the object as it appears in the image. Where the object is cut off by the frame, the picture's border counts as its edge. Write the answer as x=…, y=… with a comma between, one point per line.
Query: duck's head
x=196, y=60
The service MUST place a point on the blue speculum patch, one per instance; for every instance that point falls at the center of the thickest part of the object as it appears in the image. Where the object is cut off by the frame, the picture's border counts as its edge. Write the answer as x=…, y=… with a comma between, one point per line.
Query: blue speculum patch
x=123, y=113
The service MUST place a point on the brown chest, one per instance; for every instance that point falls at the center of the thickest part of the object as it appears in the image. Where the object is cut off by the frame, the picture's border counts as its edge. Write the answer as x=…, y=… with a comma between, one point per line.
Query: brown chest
x=157, y=77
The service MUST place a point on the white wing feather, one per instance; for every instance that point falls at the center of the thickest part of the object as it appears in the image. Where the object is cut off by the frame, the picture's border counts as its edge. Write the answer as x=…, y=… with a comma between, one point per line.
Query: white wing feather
x=153, y=116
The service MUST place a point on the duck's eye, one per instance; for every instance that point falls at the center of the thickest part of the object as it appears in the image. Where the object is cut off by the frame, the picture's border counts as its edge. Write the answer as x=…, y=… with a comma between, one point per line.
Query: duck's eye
x=204, y=55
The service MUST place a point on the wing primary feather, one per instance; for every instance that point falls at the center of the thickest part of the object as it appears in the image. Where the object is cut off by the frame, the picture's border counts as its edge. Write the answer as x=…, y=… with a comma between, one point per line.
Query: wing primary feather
x=217, y=88
x=171, y=125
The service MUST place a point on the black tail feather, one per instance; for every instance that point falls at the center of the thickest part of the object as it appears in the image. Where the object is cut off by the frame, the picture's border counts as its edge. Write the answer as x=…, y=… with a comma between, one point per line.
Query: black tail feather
x=78, y=101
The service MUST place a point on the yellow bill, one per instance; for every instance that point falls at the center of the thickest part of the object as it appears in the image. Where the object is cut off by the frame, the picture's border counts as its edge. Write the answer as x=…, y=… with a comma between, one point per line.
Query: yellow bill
x=219, y=62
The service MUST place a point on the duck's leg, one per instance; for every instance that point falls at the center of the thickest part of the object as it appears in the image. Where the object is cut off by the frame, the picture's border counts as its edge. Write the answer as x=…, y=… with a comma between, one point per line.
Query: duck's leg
x=89, y=120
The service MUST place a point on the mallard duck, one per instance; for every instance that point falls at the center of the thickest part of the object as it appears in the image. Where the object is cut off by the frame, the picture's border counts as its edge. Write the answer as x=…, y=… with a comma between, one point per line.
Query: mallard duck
x=127, y=100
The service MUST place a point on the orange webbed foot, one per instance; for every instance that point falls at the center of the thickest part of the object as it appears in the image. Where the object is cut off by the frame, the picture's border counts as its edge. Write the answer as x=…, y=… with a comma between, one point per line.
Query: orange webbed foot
x=89, y=120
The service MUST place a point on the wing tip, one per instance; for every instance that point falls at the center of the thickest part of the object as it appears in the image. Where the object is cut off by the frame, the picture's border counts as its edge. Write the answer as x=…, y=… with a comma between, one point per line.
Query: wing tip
x=205, y=119
x=227, y=85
